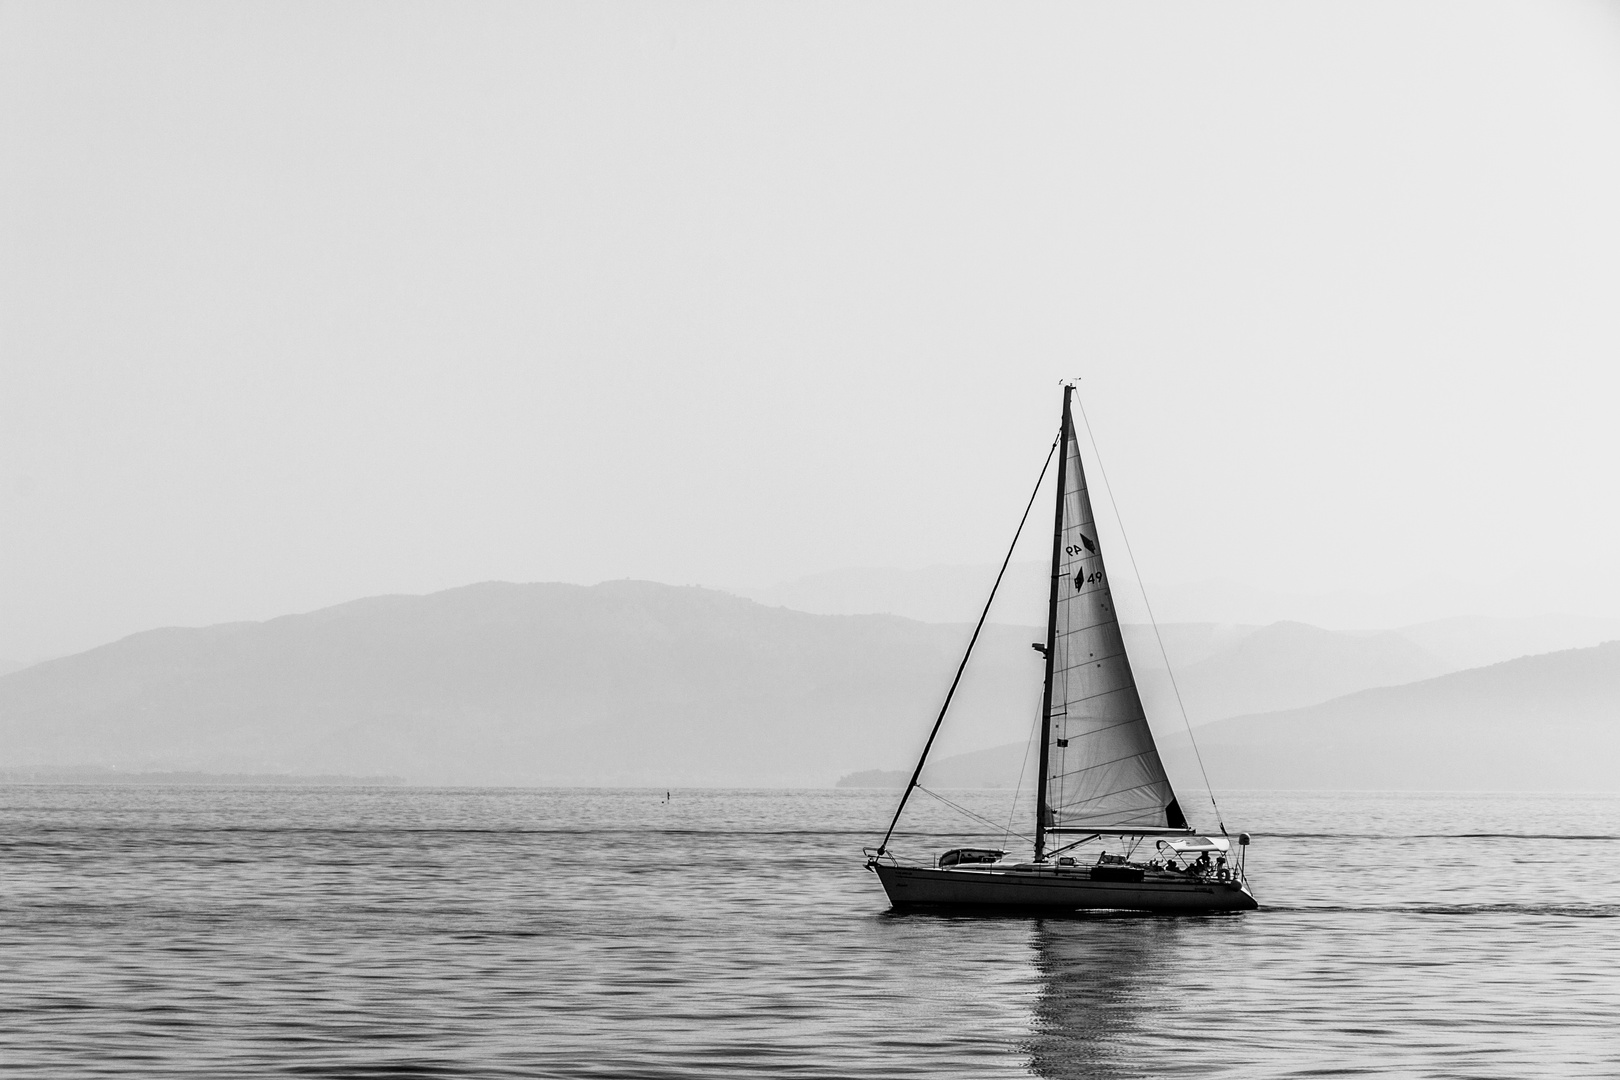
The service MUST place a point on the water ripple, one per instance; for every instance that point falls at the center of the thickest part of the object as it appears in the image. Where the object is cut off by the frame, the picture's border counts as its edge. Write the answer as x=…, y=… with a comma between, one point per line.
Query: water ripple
x=420, y=933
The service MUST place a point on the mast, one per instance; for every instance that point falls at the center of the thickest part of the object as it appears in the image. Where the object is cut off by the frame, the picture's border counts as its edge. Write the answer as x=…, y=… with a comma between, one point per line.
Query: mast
x=1051, y=627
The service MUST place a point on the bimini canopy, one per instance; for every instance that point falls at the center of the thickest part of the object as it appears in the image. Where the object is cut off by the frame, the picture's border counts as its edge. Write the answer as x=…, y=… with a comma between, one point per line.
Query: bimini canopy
x=1197, y=843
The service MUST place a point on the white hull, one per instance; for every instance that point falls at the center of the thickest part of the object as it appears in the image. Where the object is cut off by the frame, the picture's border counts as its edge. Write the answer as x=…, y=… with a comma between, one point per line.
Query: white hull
x=1057, y=889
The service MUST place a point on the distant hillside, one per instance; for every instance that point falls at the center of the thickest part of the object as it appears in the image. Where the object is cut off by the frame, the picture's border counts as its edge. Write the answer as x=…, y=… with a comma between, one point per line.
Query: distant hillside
x=950, y=594
x=621, y=683
x=942, y=594
x=1539, y=723
x=1222, y=669
x=1476, y=641
x=1548, y=722
x=638, y=683
x=956, y=593
x=1258, y=669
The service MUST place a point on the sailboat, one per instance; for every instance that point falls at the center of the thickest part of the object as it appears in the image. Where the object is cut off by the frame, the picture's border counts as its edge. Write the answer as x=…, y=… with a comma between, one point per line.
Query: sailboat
x=1100, y=782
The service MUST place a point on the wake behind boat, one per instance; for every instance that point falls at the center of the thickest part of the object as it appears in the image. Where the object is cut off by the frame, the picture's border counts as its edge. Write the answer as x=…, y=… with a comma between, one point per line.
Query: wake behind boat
x=1101, y=784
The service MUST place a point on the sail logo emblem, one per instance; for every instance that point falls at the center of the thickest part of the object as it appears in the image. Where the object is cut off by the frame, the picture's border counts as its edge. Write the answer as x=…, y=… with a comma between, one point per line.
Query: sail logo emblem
x=1086, y=547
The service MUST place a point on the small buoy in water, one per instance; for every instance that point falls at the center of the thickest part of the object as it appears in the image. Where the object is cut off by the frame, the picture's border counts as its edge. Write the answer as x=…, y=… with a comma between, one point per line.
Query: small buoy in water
x=1243, y=839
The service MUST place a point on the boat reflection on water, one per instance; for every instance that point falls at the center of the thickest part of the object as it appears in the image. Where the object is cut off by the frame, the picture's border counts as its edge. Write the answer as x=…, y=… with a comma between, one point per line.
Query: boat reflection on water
x=1104, y=982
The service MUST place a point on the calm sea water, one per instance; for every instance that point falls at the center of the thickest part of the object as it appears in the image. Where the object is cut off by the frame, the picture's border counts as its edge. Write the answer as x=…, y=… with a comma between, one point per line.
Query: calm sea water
x=261, y=932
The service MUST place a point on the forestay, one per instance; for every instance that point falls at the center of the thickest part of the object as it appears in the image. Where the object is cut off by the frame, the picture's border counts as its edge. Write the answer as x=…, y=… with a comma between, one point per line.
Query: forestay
x=1102, y=766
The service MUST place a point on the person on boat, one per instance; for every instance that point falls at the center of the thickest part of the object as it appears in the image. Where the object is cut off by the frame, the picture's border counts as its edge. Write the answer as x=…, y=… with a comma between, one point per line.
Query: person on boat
x=1201, y=865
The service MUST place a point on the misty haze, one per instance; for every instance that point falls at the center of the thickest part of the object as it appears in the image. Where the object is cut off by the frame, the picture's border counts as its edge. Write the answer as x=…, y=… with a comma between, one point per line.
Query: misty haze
x=724, y=540
x=636, y=683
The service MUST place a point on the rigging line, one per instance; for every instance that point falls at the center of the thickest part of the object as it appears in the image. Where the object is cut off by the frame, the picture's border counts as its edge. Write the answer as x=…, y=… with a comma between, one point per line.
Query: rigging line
x=1018, y=789
x=965, y=810
x=1091, y=436
x=1077, y=843
x=929, y=745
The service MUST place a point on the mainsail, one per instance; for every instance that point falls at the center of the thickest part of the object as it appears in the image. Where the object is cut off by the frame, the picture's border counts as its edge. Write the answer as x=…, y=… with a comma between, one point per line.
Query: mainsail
x=1101, y=766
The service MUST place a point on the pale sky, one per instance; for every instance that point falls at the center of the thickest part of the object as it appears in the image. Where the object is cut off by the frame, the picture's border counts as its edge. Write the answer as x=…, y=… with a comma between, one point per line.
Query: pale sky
x=307, y=302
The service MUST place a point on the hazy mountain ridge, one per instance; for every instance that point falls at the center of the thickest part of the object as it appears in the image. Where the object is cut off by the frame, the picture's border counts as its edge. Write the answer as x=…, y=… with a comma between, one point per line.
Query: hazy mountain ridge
x=626, y=682
x=1544, y=722
x=1474, y=641
x=622, y=683
x=1420, y=610
x=1283, y=665
x=1222, y=669
x=941, y=594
